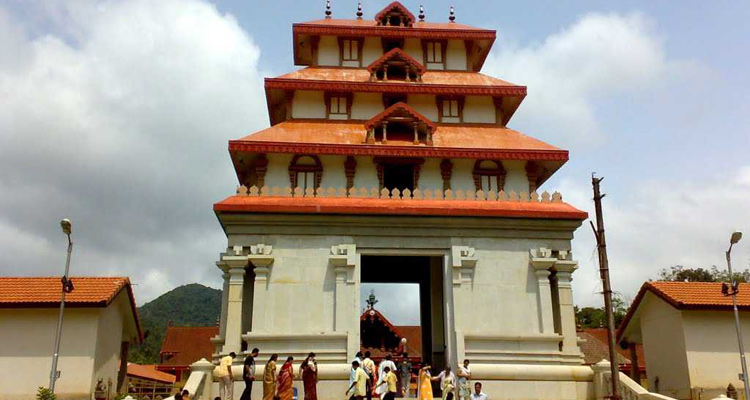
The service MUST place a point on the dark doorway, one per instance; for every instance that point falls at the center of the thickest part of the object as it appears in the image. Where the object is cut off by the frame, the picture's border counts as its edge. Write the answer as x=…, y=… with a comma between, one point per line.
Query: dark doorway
x=398, y=177
x=427, y=273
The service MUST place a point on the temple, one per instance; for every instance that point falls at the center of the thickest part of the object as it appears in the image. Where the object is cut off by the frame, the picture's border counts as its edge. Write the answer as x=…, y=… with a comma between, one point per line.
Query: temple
x=389, y=160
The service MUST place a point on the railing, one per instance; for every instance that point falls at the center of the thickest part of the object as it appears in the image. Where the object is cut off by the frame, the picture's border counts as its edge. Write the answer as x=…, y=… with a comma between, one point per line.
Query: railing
x=395, y=194
x=628, y=388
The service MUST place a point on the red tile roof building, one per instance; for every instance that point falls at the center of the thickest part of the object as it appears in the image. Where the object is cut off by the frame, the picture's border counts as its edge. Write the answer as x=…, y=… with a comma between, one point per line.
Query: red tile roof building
x=183, y=346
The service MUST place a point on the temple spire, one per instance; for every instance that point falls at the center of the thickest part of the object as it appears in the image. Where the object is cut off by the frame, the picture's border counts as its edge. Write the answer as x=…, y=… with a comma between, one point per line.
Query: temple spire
x=371, y=300
x=452, y=16
x=328, y=9
x=421, y=13
x=359, y=10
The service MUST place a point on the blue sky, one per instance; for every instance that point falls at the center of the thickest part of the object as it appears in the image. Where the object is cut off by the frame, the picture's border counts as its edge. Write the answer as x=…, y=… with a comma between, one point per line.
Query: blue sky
x=117, y=114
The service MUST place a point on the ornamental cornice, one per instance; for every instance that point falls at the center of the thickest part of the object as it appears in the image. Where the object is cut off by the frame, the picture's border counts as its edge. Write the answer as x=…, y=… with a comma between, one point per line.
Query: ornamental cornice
x=393, y=31
x=394, y=151
x=394, y=87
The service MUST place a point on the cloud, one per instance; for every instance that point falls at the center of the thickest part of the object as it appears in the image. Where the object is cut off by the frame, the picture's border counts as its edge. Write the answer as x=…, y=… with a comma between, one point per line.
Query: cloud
x=657, y=225
x=119, y=119
x=598, y=56
x=399, y=302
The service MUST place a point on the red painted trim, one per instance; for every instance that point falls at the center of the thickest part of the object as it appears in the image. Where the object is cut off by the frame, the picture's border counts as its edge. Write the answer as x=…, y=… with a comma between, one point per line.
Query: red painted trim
x=372, y=206
x=395, y=151
x=394, y=31
x=393, y=87
x=399, y=7
x=392, y=109
x=396, y=52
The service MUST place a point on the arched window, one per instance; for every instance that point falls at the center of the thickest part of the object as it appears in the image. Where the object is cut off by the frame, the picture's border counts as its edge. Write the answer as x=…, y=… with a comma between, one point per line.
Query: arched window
x=305, y=171
x=489, y=175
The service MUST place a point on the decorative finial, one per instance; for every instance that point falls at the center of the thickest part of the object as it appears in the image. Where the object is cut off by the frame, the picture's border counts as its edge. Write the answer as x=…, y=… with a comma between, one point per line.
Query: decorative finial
x=359, y=10
x=371, y=300
x=421, y=13
x=452, y=17
x=328, y=9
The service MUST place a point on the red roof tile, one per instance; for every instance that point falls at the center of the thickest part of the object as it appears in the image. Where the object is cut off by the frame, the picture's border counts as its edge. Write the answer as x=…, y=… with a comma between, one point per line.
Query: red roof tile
x=396, y=53
x=418, y=29
x=396, y=6
x=183, y=346
x=394, y=109
x=45, y=292
x=149, y=372
x=376, y=206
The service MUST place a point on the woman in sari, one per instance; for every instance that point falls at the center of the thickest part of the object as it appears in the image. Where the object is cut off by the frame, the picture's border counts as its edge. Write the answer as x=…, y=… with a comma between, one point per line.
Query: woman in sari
x=284, y=381
x=424, y=384
x=308, y=371
x=269, y=378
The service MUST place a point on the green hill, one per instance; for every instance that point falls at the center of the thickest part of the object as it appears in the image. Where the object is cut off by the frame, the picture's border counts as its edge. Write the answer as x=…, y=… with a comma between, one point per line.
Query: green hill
x=189, y=305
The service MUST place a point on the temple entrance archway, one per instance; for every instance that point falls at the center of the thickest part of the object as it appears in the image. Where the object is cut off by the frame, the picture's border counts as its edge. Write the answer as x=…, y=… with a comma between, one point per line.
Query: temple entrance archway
x=426, y=272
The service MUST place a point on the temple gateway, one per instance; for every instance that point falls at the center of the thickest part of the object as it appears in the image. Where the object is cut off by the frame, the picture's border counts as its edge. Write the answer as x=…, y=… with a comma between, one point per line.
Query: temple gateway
x=389, y=160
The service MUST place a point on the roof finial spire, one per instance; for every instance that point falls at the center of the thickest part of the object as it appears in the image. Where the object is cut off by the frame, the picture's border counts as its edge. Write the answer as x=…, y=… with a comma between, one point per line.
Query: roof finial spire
x=421, y=13
x=328, y=9
x=452, y=16
x=359, y=10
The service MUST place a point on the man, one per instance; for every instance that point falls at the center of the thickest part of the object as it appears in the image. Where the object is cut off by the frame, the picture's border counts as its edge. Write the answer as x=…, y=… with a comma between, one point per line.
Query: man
x=404, y=369
x=380, y=389
x=447, y=382
x=224, y=373
x=358, y=359
x=359, y=386
x=369, y=367
x=464, y=385
x=248, y=374
x=391, y=382
x=478, y=395
x=185, y=395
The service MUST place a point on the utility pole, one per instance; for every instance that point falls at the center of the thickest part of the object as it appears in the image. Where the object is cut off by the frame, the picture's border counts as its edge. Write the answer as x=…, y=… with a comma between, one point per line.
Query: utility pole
x=601, y=245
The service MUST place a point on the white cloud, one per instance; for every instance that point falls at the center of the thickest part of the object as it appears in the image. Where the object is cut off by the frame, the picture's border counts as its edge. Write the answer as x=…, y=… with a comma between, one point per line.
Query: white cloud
x=655, y=226
x=599, y=55
x=120, y=120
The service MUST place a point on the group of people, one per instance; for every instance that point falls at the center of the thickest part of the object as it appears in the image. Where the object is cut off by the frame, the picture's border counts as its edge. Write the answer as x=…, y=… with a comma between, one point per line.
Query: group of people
x=386, y=380
x=275, y=387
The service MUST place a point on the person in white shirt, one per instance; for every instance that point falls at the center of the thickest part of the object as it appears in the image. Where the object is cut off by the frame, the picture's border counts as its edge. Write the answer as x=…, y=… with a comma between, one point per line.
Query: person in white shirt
x=379, y=388
x=226, y=380
x=447, y=382
x=369, y=366
x=478, y=395
x=464, y=386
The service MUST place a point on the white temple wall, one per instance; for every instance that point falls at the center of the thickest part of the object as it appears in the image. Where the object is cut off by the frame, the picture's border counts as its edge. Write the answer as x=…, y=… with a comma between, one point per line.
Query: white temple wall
x=429, y=175
x=372, y=49
x=479, y=109
x=461, y=179
x=455, y=57
x=308, y=104
x=333, y=171
x=367, y=174
x=515, y=178
x=366, y=105
x=413, y=47
x=328, y=51
x=424, y=104
x=278, y=170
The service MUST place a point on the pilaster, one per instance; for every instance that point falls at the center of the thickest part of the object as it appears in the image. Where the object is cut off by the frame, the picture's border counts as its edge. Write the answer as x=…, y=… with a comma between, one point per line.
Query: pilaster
x=565, y=266
x=218, y=340
x=234, y=262
x=344, y=259
x=542, y=260
x=261, y=259
x=463, y=262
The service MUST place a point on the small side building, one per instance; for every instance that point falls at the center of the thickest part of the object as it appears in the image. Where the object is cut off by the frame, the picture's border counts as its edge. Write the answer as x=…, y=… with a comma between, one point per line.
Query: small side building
x=689, y=339
x=184, y=345
x=146, y=380
x=100, y=324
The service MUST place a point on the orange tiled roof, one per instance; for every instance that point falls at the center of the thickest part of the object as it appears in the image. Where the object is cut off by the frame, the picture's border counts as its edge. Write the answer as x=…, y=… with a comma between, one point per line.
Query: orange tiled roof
x=403, y=107
x=377, y=206
x=149, y=372
x=396, y=53
x=362, y=75
x=371, y=23
x=45, y=292
x=186, y=345
x=397, y=6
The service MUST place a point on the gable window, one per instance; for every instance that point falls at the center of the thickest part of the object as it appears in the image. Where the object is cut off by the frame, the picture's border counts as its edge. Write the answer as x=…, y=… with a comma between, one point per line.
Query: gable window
x=338, y=105
x=450, y=109
x=305, y=171
x=489, y=176
x=434, y=54
x=350, y=52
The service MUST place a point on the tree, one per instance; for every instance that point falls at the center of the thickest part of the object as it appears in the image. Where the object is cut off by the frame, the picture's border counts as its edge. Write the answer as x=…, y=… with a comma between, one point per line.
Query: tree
x=679, y=273
x=595, y=317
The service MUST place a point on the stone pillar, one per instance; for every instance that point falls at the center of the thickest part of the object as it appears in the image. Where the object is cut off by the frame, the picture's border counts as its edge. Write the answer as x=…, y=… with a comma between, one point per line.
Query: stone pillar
x=565, y=267
x=449, y=325
x=261, y=259
x=542, y=261
x=635, y=374
x=344, y=260
x=218, y=340
x=233, y=332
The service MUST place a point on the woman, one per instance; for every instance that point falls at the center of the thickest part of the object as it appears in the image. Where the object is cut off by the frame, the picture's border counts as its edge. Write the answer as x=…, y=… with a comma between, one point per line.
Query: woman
x=424, y=386
x=308, y=371
x=269, y=378
x=284, y=382
x=464, y=386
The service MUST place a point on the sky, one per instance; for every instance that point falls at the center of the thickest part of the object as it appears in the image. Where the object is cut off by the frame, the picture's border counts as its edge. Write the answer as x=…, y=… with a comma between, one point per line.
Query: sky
x=116, y=114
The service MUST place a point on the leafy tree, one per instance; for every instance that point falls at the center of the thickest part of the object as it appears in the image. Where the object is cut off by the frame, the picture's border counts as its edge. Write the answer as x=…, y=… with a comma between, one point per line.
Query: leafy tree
x=595, y=317
x=679, y=273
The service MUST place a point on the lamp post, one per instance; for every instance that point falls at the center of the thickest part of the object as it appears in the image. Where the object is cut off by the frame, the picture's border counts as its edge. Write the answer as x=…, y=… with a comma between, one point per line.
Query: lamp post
x=67, y=287
x=732, y=291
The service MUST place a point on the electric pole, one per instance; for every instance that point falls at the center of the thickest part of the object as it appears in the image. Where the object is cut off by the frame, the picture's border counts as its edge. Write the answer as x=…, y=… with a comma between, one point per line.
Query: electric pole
x=601, y=246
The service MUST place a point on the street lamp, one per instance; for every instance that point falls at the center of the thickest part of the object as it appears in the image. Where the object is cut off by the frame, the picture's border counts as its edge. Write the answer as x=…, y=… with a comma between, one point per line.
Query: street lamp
x=67, y=287
x=736, y=236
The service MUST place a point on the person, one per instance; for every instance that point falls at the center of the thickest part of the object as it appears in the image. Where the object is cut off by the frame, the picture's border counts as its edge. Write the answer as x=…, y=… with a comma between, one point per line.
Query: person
x=358, y=358
x=178, y=396
x=185, y=394
x=369, y=367
x=358, y=387
x=308, y=371
x=464, y=385
x=248, y=374
x=381, y=389
x=284, y=389
x=478, y=395
x=404, y=369
x=224, y=373
x=269, y=378
x=447, y=382
x=390, y=381
x=424, y=383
